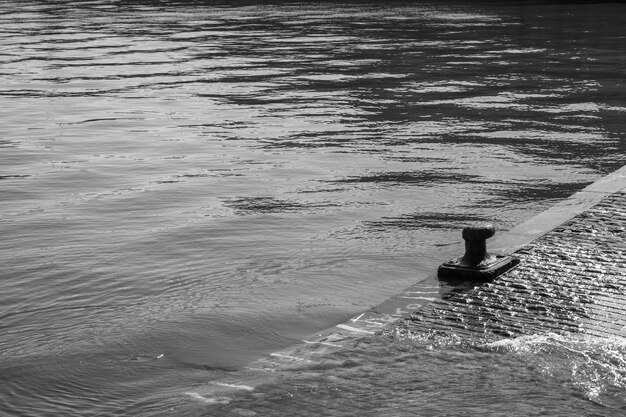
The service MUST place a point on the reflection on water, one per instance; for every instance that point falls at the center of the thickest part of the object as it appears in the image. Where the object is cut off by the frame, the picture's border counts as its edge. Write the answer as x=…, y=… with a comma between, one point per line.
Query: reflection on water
x=186, y=186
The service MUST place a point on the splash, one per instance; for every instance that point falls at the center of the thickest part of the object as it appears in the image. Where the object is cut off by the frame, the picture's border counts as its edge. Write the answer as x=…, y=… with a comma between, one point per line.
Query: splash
x=594, y=365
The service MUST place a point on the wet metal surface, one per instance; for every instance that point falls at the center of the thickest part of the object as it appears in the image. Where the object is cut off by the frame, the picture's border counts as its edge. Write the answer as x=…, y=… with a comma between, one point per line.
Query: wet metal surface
x=476, y=264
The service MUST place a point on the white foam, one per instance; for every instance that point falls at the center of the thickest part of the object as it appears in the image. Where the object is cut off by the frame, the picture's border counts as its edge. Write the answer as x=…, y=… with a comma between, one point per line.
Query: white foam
x=354, y=320
x=321, y=343
x=236, y=386
x=209, y=400
x=353, y=329
x=290, y=357
x=526, y=343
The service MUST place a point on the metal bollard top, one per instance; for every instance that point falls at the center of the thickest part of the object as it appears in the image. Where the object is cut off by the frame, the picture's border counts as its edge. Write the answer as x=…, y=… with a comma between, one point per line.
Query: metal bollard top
x=477, y=263
x=479, y=231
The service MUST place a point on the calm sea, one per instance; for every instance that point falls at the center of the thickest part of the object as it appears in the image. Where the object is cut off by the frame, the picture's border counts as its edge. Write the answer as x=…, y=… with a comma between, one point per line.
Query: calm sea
x=186, y=186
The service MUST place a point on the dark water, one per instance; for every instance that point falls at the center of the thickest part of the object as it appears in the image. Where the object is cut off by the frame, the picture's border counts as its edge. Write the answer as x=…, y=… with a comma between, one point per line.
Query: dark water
x=187, y=186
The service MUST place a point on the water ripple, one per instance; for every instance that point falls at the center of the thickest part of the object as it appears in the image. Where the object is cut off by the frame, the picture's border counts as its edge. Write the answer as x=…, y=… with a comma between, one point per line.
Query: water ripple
x=211, y=182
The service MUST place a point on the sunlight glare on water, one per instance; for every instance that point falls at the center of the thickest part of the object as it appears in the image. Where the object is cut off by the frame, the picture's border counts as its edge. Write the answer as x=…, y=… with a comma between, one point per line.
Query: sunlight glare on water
x=187, y=186
x=435, y=374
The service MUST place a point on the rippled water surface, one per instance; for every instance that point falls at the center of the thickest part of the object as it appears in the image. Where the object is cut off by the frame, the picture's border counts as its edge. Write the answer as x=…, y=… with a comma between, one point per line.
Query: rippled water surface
x=445, y=376
x=187, y=186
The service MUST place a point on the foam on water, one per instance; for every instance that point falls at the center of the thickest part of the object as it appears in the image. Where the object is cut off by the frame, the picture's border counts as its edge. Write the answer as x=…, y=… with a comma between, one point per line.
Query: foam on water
x=424, y=374
x=213, y=183
x=595, y=365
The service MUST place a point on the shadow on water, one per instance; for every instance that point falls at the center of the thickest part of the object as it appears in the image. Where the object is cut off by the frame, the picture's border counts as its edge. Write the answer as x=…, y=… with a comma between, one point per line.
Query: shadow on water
x=210, y=181
x=265, y=205
x=427, y=221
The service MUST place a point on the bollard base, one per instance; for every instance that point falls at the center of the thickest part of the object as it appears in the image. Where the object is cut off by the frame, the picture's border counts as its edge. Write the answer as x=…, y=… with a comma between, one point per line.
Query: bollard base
x=494, y=265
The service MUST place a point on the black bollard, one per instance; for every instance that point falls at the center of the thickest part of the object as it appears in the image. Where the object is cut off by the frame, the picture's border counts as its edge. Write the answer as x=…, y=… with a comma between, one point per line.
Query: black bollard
x=475, y=237
x=477, y=263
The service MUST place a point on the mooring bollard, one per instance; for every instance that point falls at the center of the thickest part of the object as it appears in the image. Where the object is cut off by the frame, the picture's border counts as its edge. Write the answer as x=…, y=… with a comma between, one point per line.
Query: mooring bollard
x=475, y=237
x=477, y=263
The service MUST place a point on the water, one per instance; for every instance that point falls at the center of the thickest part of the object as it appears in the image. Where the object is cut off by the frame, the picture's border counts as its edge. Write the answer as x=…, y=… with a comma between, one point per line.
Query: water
x=188, y=186
x=435, y=375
